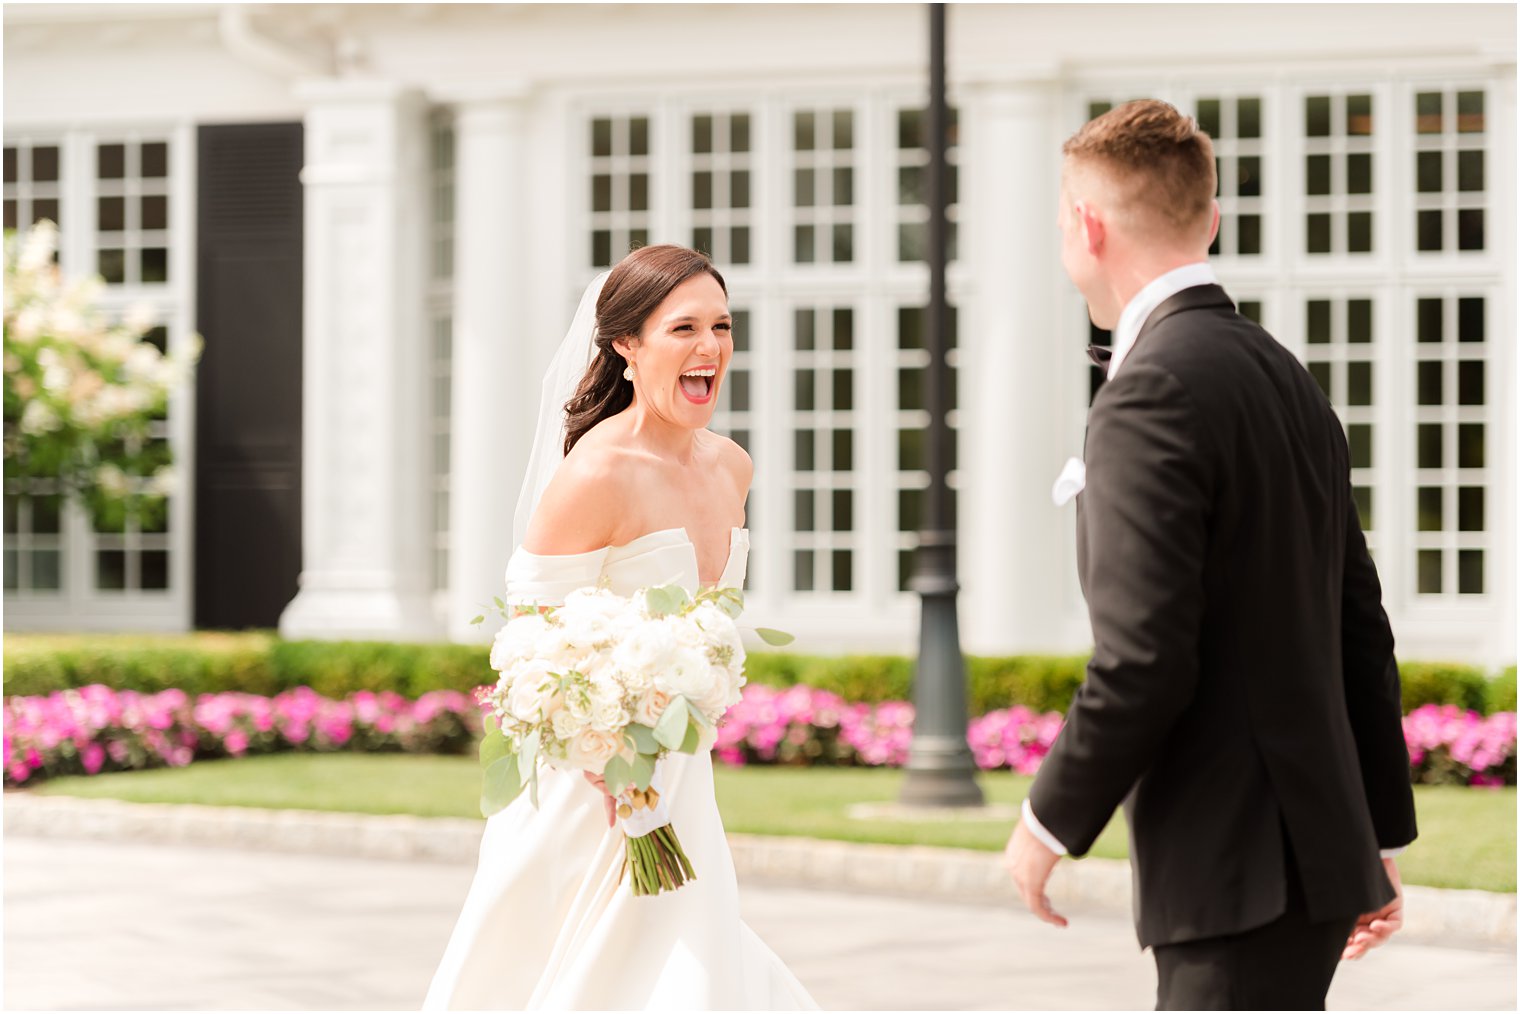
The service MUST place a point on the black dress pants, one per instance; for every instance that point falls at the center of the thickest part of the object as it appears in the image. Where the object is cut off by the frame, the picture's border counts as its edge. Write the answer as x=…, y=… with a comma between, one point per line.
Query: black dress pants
x=1284, y=965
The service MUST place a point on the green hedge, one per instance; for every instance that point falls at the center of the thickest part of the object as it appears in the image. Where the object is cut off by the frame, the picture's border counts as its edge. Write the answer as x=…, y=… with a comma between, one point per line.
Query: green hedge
x=261, y=663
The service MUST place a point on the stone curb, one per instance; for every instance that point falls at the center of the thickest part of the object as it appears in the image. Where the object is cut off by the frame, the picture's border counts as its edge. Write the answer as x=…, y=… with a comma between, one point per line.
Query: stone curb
x=1457, y=918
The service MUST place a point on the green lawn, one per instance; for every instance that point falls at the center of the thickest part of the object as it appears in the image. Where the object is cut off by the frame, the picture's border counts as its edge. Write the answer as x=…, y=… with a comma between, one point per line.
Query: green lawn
x=1467, y=836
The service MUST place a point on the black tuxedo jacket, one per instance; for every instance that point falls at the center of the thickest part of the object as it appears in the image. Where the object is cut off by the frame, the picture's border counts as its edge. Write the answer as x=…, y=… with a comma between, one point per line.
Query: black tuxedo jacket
x=1242, y=689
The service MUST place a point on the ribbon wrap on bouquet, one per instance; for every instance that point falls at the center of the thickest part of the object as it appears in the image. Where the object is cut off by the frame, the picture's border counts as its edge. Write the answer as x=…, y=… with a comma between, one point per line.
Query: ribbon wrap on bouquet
x=647, y=819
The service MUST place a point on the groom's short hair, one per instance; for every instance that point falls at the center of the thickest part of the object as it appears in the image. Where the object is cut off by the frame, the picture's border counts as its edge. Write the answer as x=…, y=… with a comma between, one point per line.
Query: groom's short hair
x=1158, y=160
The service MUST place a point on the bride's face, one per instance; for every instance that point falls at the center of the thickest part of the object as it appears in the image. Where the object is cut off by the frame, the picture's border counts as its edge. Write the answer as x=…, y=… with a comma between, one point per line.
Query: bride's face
x=683, y=353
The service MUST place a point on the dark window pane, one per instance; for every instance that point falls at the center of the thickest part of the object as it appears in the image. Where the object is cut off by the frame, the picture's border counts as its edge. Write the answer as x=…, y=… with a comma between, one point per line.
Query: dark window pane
x=1470, y=449
x=1470, y=572
x=802, y=131
x=12, y=570
x=802, y=570
x=601, y=192
x=904, y=569
x=1359, y=174
x=1429, y=324
x=1248, y=118
x=702, y=239
x=10, y=214
x=155, y=264
x=1427, y=171
x=1321, y=374
x=803, y=244
x=155, y=160
x=844, y=329
x=1097, y=109
x=1248, y=176
x=601, y=248
x=803, y=519
x=47, y=570
x=45, y=170
x=1427, y=113
x=844, y=244
x=45, y=208
x=844, y=450
x=1359, y=321
x=844, y=390
x=738, y=244
x=1317, y=115
x=910, y=508
x=1208, y=116
x=911, y=454
x=1248, y=229
x=1427, y=230
x=1470, y=229
x=738, y=133
x=844, y=187
x=910, y=128
x=803, y=189
x=1429, y=509
x=1430, y=377
x=802, y=330
x=1362, y=495
x=1319, y=234
x=154, y=567
x=111, y=214
x=1470, y=113
x=112, y=265
x=741, y=330
x=1430, y=571
x=803, y=385
x=111, y=161
x=1470, y=170
x=1359, y=437
x=12, y=513
x=1430, y=451
x=910, y=185
x=638, y=192
x=1470, y=323
x=1359, y=232
x=638, y=135
x=1359, y=384
x=601, y=138
x=738, y=189
x=842, y=581
x=1319, y=322
x=1470, y=382
x=737, y=383
x=702, y=134
x=153, y=213
x=910, y=388
x=1216, y=245
x=1470, y=508
x=844, y=510
x=912, y=242
x=110, y=570
x=10, y=165
x=46, y=514
x=1251, y=308
x=844, y=129
x=1317, y=175
x=702, y=189
x=1359, y=115
x=910, y=327
x=802, y=450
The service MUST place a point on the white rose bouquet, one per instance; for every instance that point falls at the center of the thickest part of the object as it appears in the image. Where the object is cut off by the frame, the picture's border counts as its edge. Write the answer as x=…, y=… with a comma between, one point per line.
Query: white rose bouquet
x=609, y=685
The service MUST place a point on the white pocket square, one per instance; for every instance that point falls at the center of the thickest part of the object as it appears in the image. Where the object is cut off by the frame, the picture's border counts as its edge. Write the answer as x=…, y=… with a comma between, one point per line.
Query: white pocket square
x=1071, y=481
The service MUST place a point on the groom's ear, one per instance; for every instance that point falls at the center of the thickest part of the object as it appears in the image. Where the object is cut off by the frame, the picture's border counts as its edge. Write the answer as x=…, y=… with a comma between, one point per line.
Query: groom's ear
x=1214, y=225
x=1093, y=231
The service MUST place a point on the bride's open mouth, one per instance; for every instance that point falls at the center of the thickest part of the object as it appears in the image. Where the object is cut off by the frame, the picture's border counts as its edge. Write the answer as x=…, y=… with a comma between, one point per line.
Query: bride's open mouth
x=698, y=384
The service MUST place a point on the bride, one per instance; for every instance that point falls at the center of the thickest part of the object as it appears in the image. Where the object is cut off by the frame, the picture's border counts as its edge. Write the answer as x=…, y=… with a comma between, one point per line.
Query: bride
x=644, y=495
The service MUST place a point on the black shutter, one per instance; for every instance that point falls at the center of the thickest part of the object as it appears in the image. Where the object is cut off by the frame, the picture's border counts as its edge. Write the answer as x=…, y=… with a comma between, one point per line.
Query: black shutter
x=248, y=388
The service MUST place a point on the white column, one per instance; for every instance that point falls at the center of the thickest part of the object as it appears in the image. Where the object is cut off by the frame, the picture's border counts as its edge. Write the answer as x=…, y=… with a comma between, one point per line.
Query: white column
x=496, y=380
x=1015, y=544
x=364, y=489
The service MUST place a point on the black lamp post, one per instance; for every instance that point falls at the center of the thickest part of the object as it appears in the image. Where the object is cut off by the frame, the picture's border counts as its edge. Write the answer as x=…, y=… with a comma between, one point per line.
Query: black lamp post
x=941, y=771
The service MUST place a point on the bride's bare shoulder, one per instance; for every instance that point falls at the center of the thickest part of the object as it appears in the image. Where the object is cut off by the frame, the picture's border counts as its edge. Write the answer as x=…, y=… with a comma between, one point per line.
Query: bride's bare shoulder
x=734, y=459
x=579, y=510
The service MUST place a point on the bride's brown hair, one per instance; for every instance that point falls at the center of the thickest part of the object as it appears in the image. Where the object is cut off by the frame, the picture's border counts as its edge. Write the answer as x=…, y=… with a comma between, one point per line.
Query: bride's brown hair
x=633, y=290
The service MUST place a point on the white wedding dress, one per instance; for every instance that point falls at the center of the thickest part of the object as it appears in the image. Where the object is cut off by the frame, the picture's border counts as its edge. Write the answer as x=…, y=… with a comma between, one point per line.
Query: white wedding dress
x=549, y=922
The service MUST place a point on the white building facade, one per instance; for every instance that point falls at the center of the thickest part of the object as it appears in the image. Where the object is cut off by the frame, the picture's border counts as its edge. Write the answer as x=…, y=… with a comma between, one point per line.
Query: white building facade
x=463, y=171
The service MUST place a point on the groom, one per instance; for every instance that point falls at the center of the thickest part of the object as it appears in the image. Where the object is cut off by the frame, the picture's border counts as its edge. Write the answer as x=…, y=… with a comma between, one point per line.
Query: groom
x=1242, y=700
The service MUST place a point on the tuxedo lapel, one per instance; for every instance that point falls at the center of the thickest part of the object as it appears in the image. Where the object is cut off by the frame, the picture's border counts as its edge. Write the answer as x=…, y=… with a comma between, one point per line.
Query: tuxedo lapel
x=1198, y=297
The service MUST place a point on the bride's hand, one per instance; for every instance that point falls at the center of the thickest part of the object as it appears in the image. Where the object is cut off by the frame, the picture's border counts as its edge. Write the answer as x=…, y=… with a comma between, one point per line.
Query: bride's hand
x=601, y=786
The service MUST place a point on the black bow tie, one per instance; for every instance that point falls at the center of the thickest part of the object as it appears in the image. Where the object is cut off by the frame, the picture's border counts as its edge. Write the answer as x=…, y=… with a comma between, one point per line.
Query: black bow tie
x=1100, y=354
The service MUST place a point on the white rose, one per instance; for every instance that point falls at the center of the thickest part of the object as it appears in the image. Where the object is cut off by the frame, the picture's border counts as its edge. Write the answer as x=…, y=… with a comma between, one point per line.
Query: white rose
x=535, y=693
x=688, y=673
x=647, y=648
x=567, y=723
x=591, y=749
x=607, y=710
x=515, y=640
x=651, y=706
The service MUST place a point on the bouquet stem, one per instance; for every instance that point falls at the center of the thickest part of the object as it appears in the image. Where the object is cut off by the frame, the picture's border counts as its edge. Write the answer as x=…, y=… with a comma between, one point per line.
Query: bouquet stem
x=656, y=862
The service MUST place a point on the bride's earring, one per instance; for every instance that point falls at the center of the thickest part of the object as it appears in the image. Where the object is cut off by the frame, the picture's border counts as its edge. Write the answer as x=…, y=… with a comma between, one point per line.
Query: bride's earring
x=628, y=373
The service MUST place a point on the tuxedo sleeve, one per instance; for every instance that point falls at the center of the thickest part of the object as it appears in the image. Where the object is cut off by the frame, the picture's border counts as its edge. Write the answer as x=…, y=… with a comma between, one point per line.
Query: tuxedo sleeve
x=1145, y=518
x=1373, y=701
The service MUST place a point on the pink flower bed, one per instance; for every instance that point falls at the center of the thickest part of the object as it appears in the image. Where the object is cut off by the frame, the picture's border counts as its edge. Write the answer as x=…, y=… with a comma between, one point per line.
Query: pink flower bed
x=1450, y=746
x=95, y=728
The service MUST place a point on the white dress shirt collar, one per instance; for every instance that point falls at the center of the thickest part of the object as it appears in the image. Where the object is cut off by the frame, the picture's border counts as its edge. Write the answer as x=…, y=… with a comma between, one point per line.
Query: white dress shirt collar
x=1139, y=309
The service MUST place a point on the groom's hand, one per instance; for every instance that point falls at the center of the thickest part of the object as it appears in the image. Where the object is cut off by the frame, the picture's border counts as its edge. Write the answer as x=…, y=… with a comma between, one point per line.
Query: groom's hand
x=1030, y=863
x=1374, y=928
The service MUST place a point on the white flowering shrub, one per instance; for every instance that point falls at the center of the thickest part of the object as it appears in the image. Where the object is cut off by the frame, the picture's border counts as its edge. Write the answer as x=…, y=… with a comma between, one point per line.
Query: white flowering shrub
x=81, y=392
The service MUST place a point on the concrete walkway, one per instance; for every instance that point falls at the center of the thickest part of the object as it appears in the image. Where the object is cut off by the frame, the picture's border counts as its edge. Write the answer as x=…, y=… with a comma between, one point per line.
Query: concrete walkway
x=95, y=924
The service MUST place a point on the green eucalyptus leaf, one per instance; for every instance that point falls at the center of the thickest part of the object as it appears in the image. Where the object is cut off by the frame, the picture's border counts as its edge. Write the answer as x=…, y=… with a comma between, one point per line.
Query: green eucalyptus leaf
x=617, y=775
x=533, y=785
x=693, y=738
x=493, y=746
x=477, y=621
x=499, y=603
x=670, y=730
x=642, y=770
x=643, y=739
x=774, y=638
x=502, y=784
x=667, y=599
